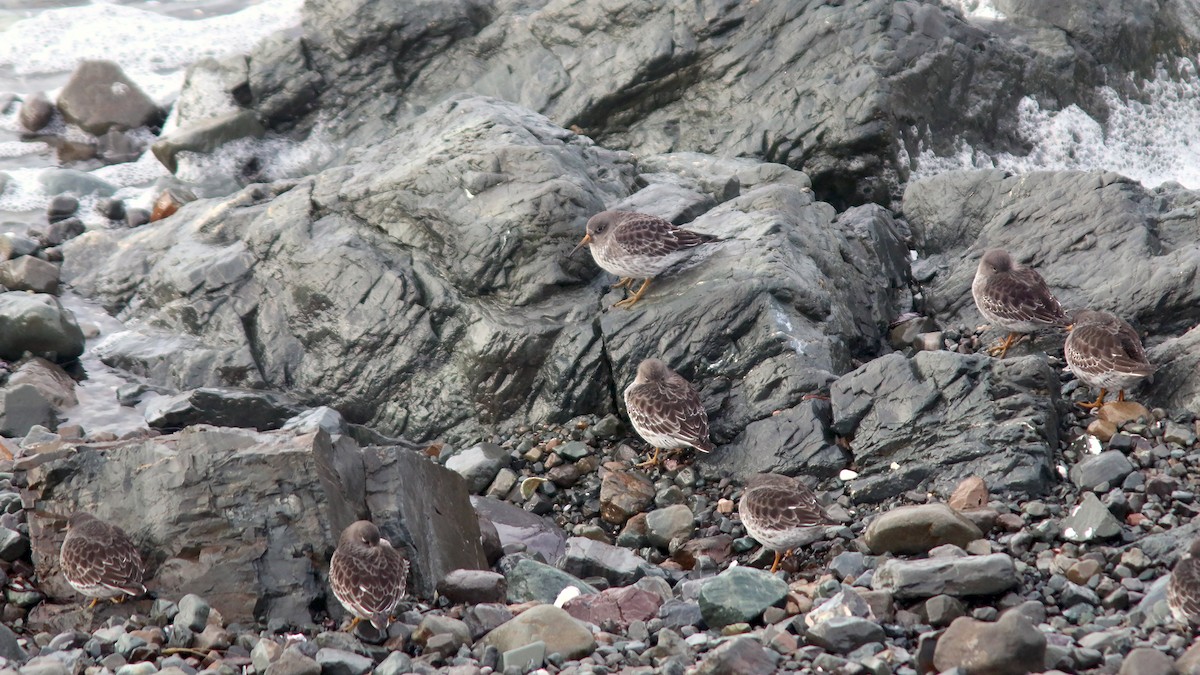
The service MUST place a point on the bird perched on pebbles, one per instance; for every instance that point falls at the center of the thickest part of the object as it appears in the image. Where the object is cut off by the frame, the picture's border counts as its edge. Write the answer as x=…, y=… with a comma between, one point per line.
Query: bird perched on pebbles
x=666, y=410
x=1183, y=590
x=1014, y=297
x=1105, y=353
x=100, y=561
x=368, y=576
x=778, y=510
x=638, y=246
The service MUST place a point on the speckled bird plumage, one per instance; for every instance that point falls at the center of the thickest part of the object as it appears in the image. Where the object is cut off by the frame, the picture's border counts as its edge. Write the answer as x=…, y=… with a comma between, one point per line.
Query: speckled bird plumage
x=1183, y=589
x=777, y=510
x=638, y=245
x=1105, y=352
x=665, y=409
x=99, y=559
x=368, y=576
x=1014, y=297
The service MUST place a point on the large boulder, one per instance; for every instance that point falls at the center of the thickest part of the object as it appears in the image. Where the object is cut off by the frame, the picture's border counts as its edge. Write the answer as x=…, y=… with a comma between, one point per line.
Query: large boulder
x=248, y=520
x=1100, y=240
x=847, y=91
x=932, y=420
x=37, y=323
x=100, y=96
x=425, y=288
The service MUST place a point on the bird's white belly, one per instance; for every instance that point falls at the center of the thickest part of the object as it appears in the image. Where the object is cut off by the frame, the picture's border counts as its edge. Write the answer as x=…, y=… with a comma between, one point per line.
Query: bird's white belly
x=637, y=266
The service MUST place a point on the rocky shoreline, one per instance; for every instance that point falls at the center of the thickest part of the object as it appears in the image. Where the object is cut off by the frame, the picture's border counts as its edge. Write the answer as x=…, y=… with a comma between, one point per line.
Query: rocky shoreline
x=402, y=336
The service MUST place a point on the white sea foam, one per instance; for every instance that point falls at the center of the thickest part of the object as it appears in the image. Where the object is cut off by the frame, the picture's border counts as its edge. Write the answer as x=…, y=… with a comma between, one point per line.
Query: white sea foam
x=1150, y=142
x=976, y=9
x=152, y=48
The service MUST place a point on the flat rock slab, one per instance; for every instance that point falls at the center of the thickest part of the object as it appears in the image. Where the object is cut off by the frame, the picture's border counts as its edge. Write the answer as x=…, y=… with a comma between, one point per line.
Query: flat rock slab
x=919, y=528
x=959, y=577
x=932, y=420
x=1010, y=646
x=248, y=520
x=545, y=623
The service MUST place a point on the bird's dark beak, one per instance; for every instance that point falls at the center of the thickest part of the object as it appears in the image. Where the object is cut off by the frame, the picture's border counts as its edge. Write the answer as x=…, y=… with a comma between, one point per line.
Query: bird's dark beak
x=587, y=238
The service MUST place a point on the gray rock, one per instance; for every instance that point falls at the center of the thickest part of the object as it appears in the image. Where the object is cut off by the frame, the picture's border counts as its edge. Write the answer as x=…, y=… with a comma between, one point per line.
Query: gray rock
x=1010, y=646
x=546, y=623
x=740, y=655
x=23, y=408
x=264, y=653
x=44, y=665
x=573, y=451
x=478, y=464
x=59, y=231
x=293, y=662
x=1090, y=521
x=193, y=613
x=1179, y=434
x=37, y=323
x=484, y=617
x=13, y=545
x=515, y=525
x=9, y=648
x=676, y=614
x=940, y=610
x=623, y=494
x=590, y=558
x=61, y=207
x=473, y=586
x=919, y=528
x=848, y=565
x=531, y=580
x=397, y=663
x=1147, y=661
x=321, y=417
x=28, y=273
x=118, y=147
x=259, y=574
x=942, y=417
x=1178, y=359
x=844, y=634
x=739, y=594
x=205, y=136
x=17, y=245
x=221, y=407
x=1109, y=467
x=669, y=524
x=36, y=111
x=959, y=577
x=434, y=625
x=527, y=658
x=862, y=115
x=79, y=183
x=844, y=603
x=100, y=96
x=1010, y=212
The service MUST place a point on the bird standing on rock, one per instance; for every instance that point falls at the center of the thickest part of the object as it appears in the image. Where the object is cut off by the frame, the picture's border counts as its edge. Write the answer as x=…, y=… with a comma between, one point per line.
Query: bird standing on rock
x=1014, y=297
x=1105, y=353
x=666, y=410
x=778, y=510
x=368, y=576
x=100, y=561
x=638, y=246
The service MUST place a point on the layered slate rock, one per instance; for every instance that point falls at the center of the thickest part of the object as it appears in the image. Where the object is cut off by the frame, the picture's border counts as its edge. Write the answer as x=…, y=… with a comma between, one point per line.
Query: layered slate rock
x=932, y=420
x=351, y=285
x=248, y=520
x=433, y=297
x=847, y=91
x=1100, y=240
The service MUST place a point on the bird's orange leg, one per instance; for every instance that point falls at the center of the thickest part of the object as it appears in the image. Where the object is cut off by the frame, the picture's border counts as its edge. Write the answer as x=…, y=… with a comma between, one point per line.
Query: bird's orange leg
x=623, y=282
x=778, y=559
x=1097, y=403
x=1001, y=349
x=120, y=599
x=353, y=622
x=1121, y=395
x=632, y=300
x=653, y=461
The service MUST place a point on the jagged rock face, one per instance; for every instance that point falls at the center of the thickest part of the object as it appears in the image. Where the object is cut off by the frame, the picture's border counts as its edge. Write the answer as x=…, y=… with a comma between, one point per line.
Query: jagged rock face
x=249, y=520
x=1100, y=240
x=425, y=288
x=844, y=91
x=933, y=420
